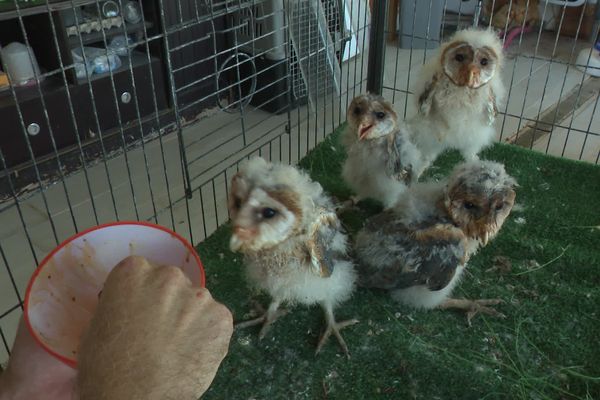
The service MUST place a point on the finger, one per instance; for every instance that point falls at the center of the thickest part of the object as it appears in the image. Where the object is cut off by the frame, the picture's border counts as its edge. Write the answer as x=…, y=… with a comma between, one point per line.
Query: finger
x=130, y=269
x=198, y=314
x=220, y=320
x=170, y=275
x=171, y=290
x=226, y=318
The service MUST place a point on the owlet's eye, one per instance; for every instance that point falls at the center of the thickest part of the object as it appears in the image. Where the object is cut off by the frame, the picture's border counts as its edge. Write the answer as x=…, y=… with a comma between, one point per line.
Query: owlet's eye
x=459, y=57
x=268, y=213
x=356, y=111
x=499, y=206
x=237, y=202
x=380, y=115
x=469, y=206
x=483, y=61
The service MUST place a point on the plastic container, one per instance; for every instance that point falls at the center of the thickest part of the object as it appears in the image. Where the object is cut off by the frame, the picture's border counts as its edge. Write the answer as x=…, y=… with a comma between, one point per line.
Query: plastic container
x=132, y=12
x=21, y=64
x=120, y=45
x=80, y=66
x=99, y=60
x=63, y=292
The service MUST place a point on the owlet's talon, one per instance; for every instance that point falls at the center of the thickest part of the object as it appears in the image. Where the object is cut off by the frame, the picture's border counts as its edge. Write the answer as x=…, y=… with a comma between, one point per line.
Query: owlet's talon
x=335, y=329
x=474, y=307
x=267, y=318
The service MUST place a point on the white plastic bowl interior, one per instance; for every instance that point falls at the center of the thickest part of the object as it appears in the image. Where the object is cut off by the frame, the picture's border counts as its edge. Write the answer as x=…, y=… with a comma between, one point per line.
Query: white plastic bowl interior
x=63, y=292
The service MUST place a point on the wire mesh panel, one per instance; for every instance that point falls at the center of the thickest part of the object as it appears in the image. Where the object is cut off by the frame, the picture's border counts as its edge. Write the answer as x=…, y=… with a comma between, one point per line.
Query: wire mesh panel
x=550, y=71
x=143, y=110
x=278, y=94
x=313, y=47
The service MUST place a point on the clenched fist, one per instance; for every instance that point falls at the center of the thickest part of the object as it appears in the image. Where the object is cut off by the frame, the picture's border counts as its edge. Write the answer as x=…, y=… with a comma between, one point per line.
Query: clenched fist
x=153, y=336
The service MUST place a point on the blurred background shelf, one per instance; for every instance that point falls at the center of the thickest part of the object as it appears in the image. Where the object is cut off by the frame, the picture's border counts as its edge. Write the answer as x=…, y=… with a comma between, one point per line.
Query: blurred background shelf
x=137, y=59
x=8, y=9
x=98, y=36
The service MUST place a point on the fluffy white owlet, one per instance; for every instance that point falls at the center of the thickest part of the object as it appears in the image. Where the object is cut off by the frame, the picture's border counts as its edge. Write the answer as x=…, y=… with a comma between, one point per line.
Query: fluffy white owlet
x=381, y=159
x=293, y=244
x=457, y=94
x=419, y=249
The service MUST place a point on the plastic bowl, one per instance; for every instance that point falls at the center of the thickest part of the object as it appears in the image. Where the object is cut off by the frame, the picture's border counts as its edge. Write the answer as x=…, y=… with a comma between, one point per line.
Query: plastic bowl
x=63, y=292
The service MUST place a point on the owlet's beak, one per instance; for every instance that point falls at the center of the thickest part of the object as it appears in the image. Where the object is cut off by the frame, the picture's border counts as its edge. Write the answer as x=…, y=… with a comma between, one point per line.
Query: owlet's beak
x=239, y=236
x=485, y=238
x=235, y=243
x=480, y=230
x=473, y=76
x=364, y=129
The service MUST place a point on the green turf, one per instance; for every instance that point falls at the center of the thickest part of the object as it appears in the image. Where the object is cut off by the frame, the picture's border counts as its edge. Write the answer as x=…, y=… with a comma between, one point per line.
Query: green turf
x=548, y=347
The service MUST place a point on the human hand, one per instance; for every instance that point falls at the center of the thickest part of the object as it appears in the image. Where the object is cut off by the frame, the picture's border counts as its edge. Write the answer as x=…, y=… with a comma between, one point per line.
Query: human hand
x=153, y=336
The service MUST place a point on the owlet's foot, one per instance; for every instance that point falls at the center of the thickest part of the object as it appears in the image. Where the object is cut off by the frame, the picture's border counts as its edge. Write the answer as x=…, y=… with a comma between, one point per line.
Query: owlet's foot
x=473, y=307
x=267, y=318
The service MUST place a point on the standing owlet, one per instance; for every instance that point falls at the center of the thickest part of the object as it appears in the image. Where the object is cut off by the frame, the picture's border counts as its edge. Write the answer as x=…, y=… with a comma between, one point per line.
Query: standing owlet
x=381, y=159
x=457, y=96
x=292, y=241
x=419, y=249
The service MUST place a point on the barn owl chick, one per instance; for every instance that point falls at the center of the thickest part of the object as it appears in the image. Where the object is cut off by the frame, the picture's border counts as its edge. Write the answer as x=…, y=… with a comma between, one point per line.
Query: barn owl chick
x=419, y=249
x=381, y=159
x=457, y=94
x=292, y=241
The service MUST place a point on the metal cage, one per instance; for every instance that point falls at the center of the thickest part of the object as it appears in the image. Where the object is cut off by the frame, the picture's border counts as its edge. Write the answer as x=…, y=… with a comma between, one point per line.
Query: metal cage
x=202, y=85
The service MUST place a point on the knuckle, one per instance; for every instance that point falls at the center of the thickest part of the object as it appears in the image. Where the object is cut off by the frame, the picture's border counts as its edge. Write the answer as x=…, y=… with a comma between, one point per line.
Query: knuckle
x=131, y=265
x=203, y=294
x=172, y=274
x=127, y=269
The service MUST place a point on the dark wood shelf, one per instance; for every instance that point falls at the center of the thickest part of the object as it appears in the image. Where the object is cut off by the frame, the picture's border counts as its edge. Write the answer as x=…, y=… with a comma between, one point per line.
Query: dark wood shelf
x=94, y=37
x=8, y=10
x=25, y=93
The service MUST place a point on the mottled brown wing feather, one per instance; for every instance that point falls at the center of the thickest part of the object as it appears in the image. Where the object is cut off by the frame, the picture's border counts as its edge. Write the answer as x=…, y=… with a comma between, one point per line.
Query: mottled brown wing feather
x=492, y=108
x=396, y=168
x=323, y=231
x=425, y=100
x=426, y=257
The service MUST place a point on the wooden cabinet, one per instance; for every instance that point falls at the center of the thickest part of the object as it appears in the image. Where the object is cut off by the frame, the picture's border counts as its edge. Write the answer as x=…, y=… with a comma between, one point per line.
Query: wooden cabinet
x=64, y=107
x=125, y=96
x=42, y=121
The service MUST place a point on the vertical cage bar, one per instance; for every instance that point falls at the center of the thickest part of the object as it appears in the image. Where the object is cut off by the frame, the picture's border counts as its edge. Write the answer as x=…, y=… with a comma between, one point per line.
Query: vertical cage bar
x=11, y=276
x=376, y=61
x=4, y=342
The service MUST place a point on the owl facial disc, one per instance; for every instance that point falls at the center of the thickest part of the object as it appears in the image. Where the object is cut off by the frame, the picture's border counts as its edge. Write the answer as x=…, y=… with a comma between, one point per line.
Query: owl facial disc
x=468, y=67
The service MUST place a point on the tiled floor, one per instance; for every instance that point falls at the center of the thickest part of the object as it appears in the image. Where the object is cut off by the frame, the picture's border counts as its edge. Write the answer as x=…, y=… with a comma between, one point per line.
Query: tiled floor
x=214, y=145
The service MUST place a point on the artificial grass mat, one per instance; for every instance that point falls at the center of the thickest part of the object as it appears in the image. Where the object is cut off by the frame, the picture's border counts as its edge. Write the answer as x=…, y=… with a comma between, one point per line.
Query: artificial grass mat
x=545, y=264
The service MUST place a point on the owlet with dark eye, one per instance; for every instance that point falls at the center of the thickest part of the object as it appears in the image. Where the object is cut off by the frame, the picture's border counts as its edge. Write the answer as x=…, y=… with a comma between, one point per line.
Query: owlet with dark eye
x=381, y=160
x=293, y=244
x=458, y=93
x=419, y=249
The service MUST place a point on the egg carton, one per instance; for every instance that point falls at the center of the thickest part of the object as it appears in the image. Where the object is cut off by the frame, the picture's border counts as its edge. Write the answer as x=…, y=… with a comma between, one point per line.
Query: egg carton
x=95, y=26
